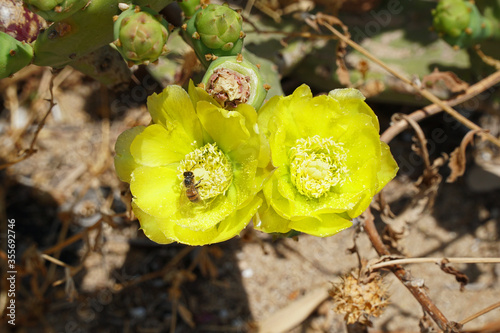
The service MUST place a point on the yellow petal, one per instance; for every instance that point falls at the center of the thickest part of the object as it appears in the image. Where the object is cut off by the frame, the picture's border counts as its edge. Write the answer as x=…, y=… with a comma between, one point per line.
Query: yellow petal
x=124, y=162
x=156, y=146
x=173, y=106
x=156, y=190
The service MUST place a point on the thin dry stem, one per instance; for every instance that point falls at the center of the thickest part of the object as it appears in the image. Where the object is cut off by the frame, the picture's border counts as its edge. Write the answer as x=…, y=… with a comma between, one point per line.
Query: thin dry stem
x=153, y=275
x=480, y=313
x=433, y=109
x=404, y=276
x=54, y=260
x=31, y=150
x=434, y=260
x=422, y=91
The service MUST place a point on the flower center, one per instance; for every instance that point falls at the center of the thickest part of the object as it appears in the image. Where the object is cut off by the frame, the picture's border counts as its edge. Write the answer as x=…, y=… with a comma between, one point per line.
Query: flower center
x=229, y=87
x=317, y=164
x=211, y=169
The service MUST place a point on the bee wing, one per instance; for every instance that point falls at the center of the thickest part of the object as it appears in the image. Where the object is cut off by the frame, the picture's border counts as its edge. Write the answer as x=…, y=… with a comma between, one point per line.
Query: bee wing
x=183, y=198
x=187, y=208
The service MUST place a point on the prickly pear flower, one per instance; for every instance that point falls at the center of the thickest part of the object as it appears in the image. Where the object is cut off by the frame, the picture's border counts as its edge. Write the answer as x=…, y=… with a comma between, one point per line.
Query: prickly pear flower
x=194, y=172
x=329, y=161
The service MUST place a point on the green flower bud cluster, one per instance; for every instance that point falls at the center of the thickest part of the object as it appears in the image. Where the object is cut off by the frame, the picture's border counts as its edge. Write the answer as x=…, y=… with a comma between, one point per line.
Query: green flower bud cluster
x=82, y=27
x=460, y=23
x=14, y=55
x=215, y=31
x=140, y=35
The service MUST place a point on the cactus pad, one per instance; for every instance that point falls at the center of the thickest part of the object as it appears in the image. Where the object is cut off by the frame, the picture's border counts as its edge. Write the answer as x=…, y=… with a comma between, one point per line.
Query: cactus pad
x=14, y=55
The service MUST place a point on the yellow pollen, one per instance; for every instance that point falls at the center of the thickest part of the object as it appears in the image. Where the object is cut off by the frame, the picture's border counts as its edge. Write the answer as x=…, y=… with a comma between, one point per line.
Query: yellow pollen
x=210, y=167
x=317, y=164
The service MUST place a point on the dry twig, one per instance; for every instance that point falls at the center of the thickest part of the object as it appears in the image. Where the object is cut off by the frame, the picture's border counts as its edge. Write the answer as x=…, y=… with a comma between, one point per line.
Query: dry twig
x=458, y=260
x=322, y=19
x=405, y=277
x=433, y=109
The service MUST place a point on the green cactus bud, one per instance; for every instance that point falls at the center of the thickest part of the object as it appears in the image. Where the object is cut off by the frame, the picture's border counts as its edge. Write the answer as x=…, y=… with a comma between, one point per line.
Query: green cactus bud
x=233, y=80
x=460, y=23
x=55, y=10
x=14, y=55
x=140, y=35
x=215, y=30
x=189, y=7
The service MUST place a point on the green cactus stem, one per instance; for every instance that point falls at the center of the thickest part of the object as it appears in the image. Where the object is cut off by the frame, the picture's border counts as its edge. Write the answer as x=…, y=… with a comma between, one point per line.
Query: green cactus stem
x=106, y=66
x=83, y=32
x=155, y=5
x=55, y=10
x=14, y=55
x=460, y=23
x=215, y=31
x=189, y=7
x=140, y=35
x=233, y=80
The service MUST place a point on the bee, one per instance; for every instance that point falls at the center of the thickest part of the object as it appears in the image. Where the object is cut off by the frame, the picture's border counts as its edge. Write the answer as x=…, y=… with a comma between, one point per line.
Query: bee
x=191, y=187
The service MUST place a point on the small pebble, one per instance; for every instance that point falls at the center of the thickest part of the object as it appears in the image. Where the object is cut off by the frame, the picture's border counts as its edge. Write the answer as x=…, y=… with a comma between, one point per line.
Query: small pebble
x=138, y=312
x=247, y=273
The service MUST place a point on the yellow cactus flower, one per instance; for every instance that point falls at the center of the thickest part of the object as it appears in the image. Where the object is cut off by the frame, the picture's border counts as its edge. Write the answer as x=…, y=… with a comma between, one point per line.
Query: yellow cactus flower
x=329, y=161
x=194, y=172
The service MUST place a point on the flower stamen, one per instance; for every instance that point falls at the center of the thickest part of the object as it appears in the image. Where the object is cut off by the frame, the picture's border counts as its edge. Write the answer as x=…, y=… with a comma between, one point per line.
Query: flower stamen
x=210, y=165
x=316, y=165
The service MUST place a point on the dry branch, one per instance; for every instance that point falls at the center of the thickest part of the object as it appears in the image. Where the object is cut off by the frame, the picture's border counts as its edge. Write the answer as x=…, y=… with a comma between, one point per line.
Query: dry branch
x=405, y=277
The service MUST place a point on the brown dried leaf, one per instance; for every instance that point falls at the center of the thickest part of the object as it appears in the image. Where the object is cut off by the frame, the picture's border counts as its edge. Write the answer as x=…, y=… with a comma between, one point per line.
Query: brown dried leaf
x=69, y=287
x=294, y=313
x=186, y=315
x=372, y=88
x=457, y=158
x=459, y=276
x=342, y=71
x=450, y=79
x=428, y=183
